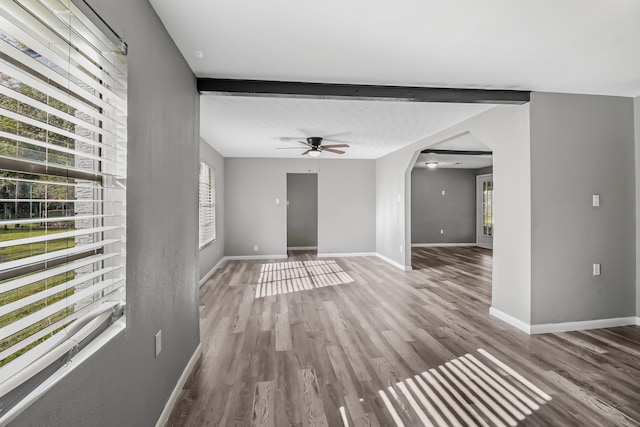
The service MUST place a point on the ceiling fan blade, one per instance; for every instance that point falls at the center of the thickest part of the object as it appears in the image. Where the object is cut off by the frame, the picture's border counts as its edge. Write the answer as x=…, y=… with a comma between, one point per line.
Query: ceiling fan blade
x=336, y=146
x=305, y=152
x=305, y=143
x=289, y=148
x=331, y=150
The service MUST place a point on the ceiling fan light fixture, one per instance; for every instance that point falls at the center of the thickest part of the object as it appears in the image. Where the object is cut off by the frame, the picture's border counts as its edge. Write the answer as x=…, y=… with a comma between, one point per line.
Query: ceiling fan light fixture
x=314, y=153
x=432, y=165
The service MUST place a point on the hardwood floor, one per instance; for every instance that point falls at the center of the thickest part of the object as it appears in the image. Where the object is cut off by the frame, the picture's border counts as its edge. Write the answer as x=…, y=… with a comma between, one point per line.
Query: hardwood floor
x=394, y=348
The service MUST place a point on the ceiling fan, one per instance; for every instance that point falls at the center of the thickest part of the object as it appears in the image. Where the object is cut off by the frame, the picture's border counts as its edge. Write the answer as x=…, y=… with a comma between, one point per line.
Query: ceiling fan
x=315, y=147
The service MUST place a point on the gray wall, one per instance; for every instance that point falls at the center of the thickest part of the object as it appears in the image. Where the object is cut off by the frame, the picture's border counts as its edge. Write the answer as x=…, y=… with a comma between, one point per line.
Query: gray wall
x=123, y=383
x=582, y=145
x=636, y=111
x=505, y=130
x=211, y=254
x=454, y=212
x=302, y=209
x=346, y=204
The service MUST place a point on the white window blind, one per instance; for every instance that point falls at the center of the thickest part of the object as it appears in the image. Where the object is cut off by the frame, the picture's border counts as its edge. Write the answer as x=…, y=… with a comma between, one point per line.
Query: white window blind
x=207, y=205
x=62, y=183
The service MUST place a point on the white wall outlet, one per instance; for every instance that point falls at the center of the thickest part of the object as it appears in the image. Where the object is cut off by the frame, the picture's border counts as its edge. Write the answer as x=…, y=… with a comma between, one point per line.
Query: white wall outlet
x=255, y=248
x=277, y=201
x=158, y=342
x=399, y=198
x=442, y=231
x=596, y=200
x=596, y=269
x=444, y=192
x=401, y=248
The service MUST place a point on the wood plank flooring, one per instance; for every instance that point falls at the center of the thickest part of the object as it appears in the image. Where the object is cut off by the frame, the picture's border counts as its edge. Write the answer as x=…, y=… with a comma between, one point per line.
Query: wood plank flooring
x=397, y=348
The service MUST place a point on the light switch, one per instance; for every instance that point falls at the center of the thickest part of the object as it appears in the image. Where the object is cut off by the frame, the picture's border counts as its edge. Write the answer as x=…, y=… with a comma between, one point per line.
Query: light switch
x=596, y=200
x=596, y=269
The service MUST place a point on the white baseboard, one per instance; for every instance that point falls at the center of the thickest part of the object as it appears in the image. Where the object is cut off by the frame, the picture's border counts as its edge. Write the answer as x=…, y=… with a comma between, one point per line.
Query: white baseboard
x=166, y=412
x=345, y=254
x=394, y=263
x=516, y=323
x=435, y=245
x=213, y=270
x=246, y=257
x=583, y=325
x=638, y=321
x=302, y=248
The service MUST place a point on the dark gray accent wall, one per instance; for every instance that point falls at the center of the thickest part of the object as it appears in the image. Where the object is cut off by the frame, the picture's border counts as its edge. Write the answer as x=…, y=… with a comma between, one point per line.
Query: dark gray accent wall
x=302, y=209
x=582, y=145
x=484, y=171
x=454, y=212
x=211, y=254
x=123, y=384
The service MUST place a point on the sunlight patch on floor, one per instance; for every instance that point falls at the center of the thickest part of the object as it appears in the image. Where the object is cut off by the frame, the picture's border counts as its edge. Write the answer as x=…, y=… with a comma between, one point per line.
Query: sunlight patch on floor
x=285, y=277
x=469, y=390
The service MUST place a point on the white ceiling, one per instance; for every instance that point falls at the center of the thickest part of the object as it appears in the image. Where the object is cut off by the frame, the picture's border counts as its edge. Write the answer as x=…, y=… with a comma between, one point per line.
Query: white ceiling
x=573, y=46
x=463, y=142
x=239, y=126
x=579, y=46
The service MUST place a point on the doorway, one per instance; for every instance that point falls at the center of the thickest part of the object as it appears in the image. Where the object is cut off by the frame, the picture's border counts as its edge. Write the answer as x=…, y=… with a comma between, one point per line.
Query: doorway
x=302, y=211
x=484, y=211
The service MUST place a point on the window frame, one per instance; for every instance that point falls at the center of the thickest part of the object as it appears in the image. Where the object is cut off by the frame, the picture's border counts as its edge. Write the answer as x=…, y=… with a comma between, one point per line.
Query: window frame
x=81, y=89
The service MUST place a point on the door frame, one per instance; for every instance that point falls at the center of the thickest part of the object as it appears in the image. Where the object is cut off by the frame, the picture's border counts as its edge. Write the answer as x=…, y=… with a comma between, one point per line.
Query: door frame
x=482, y=240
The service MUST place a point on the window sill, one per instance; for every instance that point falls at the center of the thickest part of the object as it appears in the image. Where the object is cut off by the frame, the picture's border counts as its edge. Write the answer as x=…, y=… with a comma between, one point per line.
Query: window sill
x=93, y=347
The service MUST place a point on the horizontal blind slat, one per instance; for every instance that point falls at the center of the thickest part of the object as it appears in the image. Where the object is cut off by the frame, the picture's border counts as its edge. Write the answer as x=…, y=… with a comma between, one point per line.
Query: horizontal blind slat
x=37, y=66
x=39, y=315
x=51, y=219
x=48, y=146
x=55, y=236
x=51, y=110
x=71, y=284
x=26, y=78
x=37, y=259
x=24, y=281
x=31, y=30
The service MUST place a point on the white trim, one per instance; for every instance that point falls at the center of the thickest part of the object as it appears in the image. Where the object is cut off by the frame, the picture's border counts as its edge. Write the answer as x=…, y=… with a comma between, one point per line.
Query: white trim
x=435, y=245
x=516, y=323
x=583, y=325
x=638, y=321
x=394, y=263
x=245, y=257
x=166, y=412
x=345, y=254
x=210, y=272
x=302, y=248
x=91, y=348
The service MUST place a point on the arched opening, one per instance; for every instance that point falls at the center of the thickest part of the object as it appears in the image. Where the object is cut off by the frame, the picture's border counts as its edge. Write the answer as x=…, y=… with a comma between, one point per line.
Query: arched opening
x=451, y=208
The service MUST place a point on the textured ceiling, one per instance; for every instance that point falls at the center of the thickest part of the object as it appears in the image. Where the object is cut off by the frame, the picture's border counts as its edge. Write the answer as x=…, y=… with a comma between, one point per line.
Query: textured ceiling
x=578, y=46
x=573, y=46
x=239, y=126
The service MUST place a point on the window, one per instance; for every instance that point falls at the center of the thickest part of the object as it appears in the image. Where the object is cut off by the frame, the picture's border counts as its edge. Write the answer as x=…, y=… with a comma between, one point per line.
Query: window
x=487, y=208
x=62, y=188
x=207, y=205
